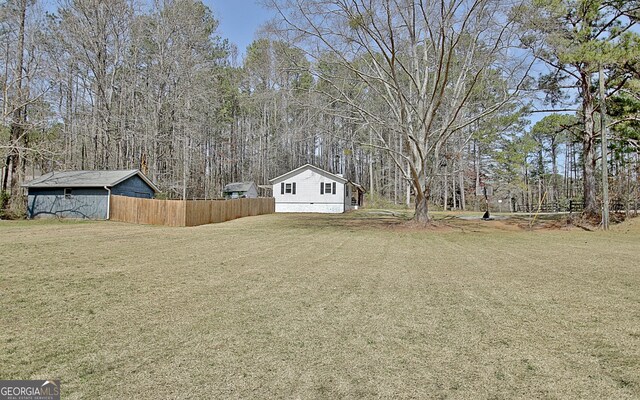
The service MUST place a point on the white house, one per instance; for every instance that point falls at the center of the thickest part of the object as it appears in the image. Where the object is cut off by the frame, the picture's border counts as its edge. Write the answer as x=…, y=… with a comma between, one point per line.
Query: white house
x=311, y=189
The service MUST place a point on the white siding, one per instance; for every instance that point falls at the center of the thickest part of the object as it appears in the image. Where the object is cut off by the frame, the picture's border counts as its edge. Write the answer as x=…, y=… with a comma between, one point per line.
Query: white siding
x=308, y=197
x=309, y=208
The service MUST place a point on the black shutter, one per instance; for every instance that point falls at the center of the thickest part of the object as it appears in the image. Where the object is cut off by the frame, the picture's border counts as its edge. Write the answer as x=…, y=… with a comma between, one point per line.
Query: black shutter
x=334, y=188
x=293, y=191
x=321, y=187
x=282, y=188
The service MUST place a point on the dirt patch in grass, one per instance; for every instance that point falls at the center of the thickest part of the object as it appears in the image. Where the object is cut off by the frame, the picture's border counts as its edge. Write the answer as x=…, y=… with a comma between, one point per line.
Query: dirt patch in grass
x=401, y=221
x=321, y=306
x=630, y=225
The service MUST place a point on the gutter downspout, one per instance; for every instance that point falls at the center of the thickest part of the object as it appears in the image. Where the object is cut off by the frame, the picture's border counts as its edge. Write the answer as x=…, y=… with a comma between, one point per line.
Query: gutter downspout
x=108, y=202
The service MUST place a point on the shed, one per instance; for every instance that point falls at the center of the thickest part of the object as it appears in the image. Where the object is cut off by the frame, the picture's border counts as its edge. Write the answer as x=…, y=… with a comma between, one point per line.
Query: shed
x=312, y=189
x=83, y=194
x=237, y=190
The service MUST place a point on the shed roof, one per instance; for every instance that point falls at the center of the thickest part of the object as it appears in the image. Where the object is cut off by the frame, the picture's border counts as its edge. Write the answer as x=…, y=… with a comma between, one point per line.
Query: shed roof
x=358, y=186
x=86, y=179
x=308, y=166
x=238, y=187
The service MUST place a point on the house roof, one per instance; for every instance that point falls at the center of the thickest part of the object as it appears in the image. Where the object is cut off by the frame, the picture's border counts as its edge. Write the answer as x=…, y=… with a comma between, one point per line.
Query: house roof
x=238, y=187
x=358, y=186
x=305, y=167
x=86, y=179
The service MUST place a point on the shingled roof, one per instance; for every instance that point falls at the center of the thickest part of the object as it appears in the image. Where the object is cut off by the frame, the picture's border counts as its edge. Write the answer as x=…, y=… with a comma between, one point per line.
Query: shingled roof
x=312, y=167
x=86, y=179
x=237, y=187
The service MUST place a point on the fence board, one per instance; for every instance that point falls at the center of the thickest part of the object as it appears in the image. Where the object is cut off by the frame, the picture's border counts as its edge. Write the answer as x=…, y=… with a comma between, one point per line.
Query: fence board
x=185, y=213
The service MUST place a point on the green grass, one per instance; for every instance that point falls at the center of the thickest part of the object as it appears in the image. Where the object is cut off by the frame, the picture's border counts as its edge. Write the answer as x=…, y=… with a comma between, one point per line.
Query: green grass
x=316, y=306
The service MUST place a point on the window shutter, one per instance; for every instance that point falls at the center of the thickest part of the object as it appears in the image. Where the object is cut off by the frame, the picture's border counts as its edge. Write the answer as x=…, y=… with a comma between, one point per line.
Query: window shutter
x=321, y=187
x=282, y=188
x=334, y=188
x=293, y=188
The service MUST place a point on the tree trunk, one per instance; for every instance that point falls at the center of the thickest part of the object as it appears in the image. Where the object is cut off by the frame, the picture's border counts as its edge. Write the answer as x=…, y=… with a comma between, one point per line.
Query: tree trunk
x=588, y=150
x=554, y=168
x=422, y=197
x=422, y=209
x=408, y=188
x=476, y=165
x=5, y=175
x=454, y=204
x=463, y=200
x=541, y=173
x=445, y=185
x=17, y=125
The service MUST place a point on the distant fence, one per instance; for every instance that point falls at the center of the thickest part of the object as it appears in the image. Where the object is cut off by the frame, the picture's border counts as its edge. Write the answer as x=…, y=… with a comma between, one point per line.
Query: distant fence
x=185, y=212
x=570, y=206
x=575, y=206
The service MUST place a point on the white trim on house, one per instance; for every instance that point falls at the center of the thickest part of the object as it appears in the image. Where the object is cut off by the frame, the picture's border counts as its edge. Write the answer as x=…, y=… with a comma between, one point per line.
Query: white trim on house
x=325, y=208
x=335, y=177
x=312, y=189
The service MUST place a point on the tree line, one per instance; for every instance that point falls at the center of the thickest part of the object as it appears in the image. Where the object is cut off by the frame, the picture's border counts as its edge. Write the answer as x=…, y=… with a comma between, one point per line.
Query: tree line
x=425, y=102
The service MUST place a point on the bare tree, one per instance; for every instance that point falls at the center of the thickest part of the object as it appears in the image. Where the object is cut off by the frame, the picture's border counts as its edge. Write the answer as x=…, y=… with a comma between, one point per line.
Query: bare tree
x=94, y=36
x=24, y=109
x=16, y=107
x=437, y=65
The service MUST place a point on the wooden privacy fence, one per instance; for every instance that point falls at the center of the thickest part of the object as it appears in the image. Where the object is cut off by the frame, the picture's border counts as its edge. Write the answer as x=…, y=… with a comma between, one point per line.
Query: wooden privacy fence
x=185, y=212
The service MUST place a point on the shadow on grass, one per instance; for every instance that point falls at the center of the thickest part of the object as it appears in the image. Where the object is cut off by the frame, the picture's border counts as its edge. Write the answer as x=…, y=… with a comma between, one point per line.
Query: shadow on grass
x=46, y=221
x=354, y=220
x=402, y=220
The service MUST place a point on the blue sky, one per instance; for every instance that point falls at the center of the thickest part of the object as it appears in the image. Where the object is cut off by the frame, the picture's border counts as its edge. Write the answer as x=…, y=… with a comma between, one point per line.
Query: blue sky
x=239, y=20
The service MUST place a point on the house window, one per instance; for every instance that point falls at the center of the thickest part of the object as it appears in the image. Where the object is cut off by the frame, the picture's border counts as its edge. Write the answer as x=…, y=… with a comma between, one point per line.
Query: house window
x=67, y=193
x=289, y=188
x=328, y=188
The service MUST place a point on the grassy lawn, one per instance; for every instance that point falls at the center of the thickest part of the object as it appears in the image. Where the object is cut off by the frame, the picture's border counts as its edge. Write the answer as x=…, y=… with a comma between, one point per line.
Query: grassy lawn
x=313, y=306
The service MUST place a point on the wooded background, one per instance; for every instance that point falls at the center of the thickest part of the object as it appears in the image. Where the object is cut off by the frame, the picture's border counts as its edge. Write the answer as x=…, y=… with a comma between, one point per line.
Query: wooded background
x=421, y=101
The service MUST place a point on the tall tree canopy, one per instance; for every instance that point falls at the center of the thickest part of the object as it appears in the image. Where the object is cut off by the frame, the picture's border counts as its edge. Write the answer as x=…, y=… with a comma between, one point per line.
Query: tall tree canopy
x=574, y=38
x=423, y=101
x=436, y=67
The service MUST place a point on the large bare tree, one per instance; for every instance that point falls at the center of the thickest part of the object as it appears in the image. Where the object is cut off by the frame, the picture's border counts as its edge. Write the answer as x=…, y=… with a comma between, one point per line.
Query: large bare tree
x=438, y=66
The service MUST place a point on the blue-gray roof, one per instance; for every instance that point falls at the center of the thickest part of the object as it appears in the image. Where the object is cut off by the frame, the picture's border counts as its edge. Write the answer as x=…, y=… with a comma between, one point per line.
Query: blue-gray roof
x=69, y=179
x=237, y=187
